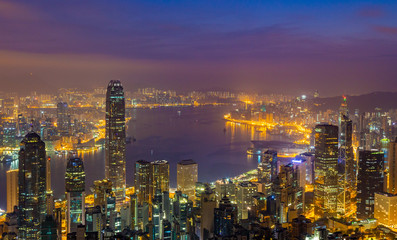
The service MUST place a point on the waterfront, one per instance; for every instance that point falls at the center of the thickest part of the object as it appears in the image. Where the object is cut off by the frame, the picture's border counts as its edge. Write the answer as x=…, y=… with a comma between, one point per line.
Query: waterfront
x=173, y=134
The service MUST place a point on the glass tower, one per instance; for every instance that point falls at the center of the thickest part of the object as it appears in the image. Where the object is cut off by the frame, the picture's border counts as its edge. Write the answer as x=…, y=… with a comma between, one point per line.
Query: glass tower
x=75, y=185
x=115, y=138
x=326, y=173
x=32, y=186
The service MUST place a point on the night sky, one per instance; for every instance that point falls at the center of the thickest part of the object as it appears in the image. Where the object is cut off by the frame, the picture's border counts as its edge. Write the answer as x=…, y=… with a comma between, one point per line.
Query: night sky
x=337, y=47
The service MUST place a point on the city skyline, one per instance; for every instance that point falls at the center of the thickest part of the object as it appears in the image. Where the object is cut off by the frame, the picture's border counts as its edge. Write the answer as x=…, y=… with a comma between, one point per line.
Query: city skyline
x=272, y=47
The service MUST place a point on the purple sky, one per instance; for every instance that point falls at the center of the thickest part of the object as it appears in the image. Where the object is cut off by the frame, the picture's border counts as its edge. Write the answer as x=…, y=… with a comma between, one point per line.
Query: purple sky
x=337, y=47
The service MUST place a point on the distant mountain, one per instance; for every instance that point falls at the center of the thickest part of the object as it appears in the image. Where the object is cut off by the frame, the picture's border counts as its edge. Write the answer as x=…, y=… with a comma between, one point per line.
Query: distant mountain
x=365, y=103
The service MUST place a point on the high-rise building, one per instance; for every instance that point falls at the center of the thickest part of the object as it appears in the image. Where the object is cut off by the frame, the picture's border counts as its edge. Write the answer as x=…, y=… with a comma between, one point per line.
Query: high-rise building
x=102, y=191
x=369, y=181
x=115, y=139
x=347, y=172
x=160, y=176
x=225, y=188
x=224, y=218
x=48, y=175
x=391, y=169
x=386, y=209
x=75, y=194
x=326, y=174
x=12, y=190
x=245, y=198
x=63, y=116
x=187, y=176
x=32, y=186
x=49, y=229
x=143, y=182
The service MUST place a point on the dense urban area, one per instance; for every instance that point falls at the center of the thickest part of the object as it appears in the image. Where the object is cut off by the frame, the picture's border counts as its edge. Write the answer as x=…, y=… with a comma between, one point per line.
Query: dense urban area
x=325, y=173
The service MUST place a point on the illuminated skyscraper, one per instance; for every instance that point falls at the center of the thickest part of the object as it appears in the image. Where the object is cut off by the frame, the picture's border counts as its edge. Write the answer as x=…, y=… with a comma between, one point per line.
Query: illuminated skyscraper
x=187, y=176
x=143, y=182
x=369, y=181
x=160, y=176
x=75, y=195
x=391, y=169
x=32, y=186
x=347, y=171
x=12, y=190
x=115, y=138
x=326, y=174
x=245, y=200
x=225, y=217
x=63, y=117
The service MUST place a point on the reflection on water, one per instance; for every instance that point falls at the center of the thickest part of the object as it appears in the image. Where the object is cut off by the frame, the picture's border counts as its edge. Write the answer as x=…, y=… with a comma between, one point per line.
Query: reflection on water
x=198, y=133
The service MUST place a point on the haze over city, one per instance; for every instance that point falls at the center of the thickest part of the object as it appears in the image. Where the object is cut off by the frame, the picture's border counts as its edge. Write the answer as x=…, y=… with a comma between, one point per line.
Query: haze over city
x=266, y=46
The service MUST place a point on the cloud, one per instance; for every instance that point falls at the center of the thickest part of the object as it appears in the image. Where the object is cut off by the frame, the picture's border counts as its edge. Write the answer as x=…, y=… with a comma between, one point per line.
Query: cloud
x=14, y=11
x=372, y=12
x=386, y=30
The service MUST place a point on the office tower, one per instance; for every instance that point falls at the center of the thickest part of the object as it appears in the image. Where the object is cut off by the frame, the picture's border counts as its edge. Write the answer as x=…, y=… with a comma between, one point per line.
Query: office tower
x=48, y=175
x=225, y=188
x=391, y=169
x=386, y=209
x=9, y=134
x=225, y=216
x=49, y=229
x=63, y=119
x=160, y=176
x=369, y=181
x=326, y=175
x=157, y=210
x=245, y=200
x=301, y=227
x=32, y=186
x=181, y=209
x=102, y=191
x=187, y=176
x=143, y=182
x=94, y=220
x=115, y=139
x=289, y=193
x=347, y=172
x=166, y=233
x=207, y=207
x=12, y=190
x=75, y=194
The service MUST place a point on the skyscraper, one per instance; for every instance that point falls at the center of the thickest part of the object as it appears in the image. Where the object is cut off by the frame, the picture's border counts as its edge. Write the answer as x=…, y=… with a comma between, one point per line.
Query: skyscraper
x=63, y=117
x=187, y=176
x=115, y=138
x=160, y=176
x=347, y=171
x=12, y=190
x=326, y=174
x=143, y=182
x=369, y=181
x=391, y=169
x=32, y=186
x=75, y=196
x=225, y=217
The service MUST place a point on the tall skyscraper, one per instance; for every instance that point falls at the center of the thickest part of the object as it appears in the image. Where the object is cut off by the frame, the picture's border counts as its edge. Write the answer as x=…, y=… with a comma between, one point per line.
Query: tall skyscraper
x=369, y=181
x=12, y=190
x=225, y=217
x=187, y=176
x=160, y=176
x=391, y=169
x=347, y=170
x=245, y=200
x=32, y=186
x=63, y=117
x=75, y=194
x=115, y=139
x=143, y=182
x=326, y=174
